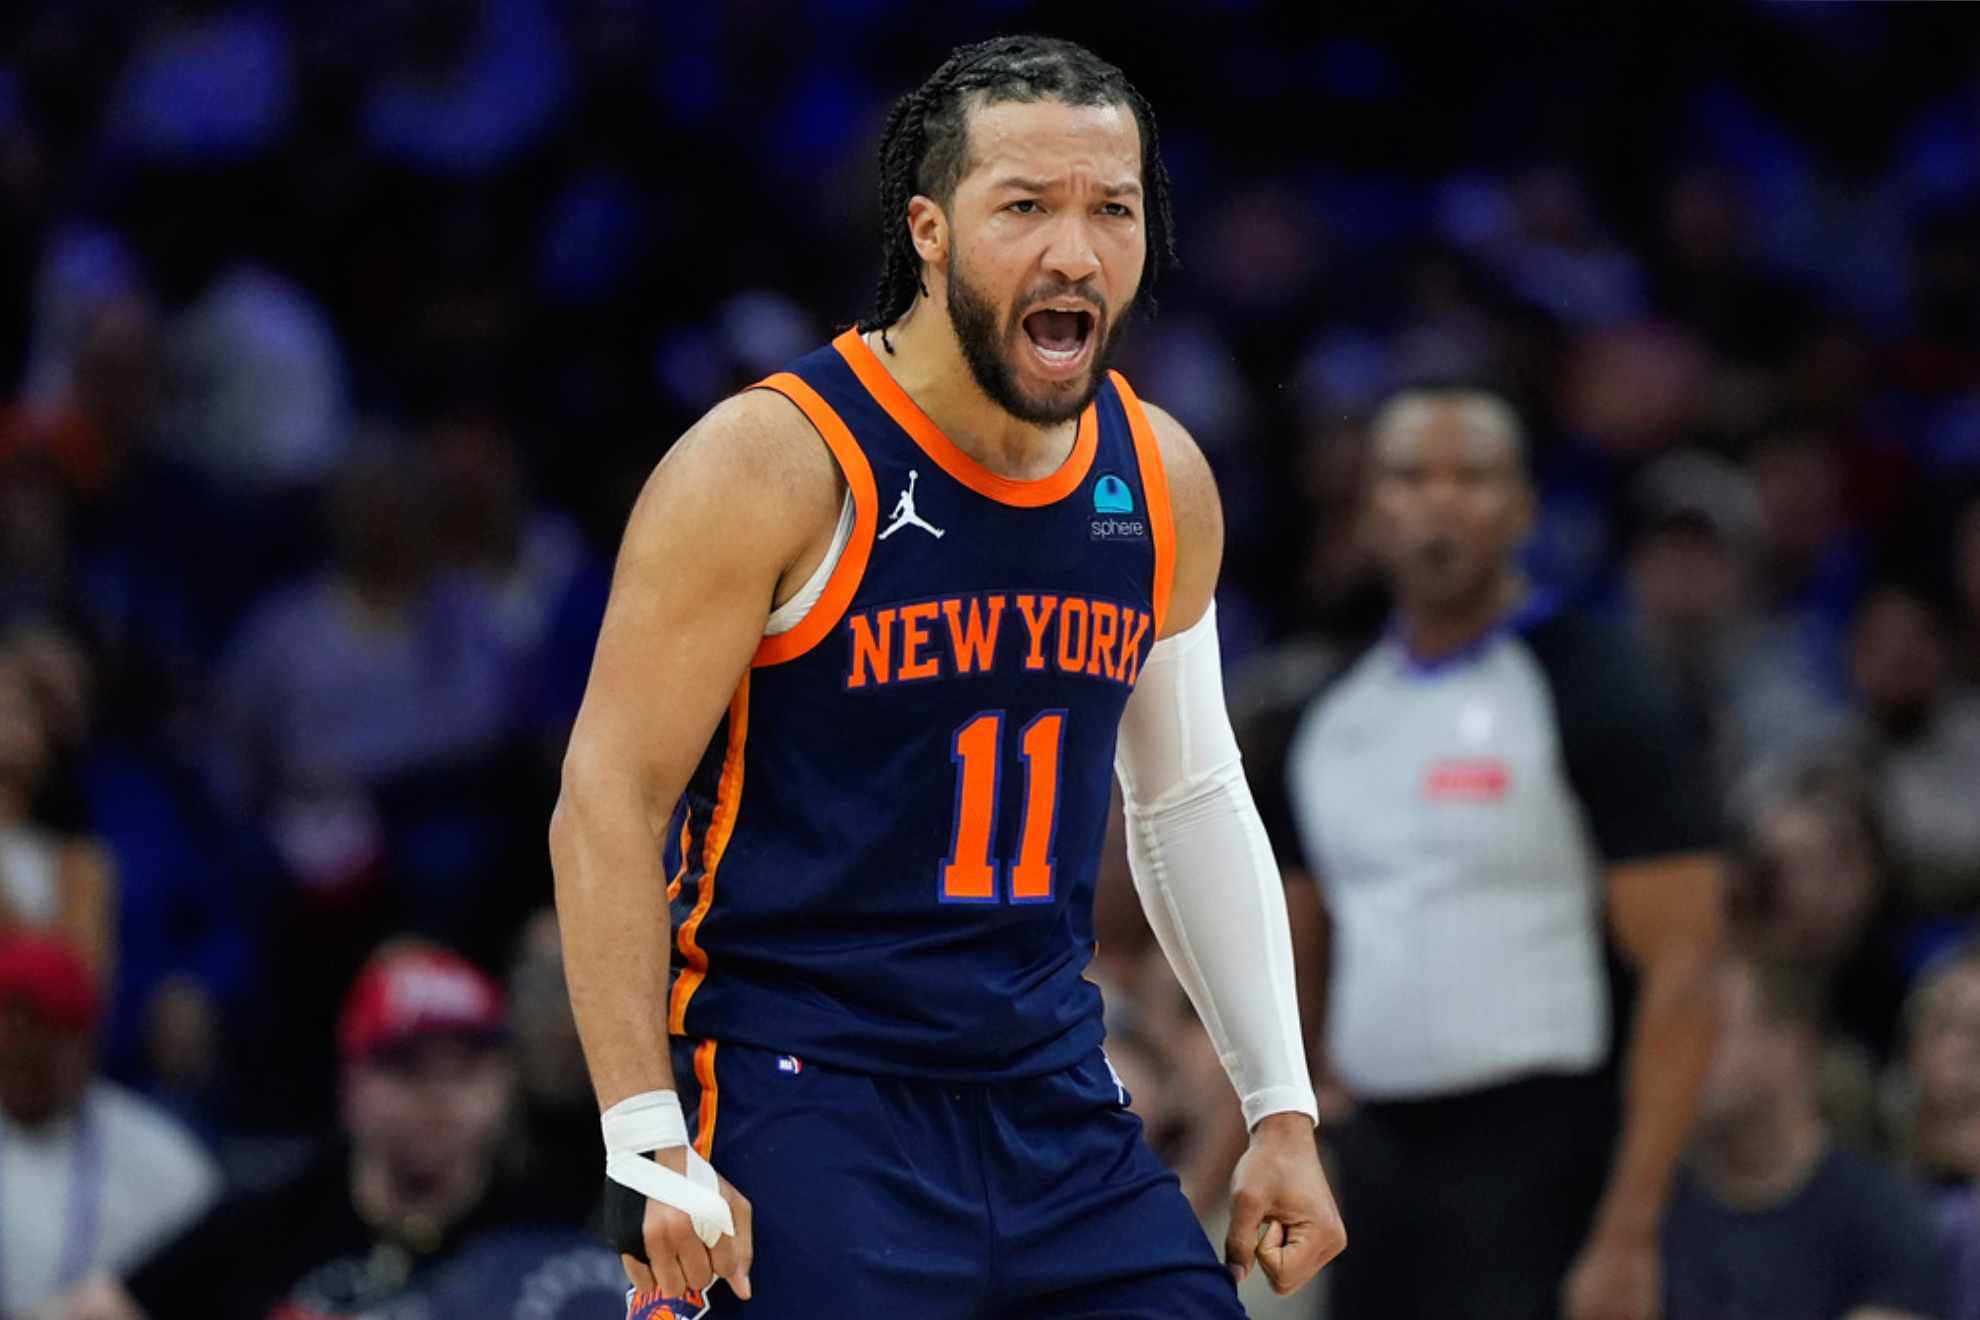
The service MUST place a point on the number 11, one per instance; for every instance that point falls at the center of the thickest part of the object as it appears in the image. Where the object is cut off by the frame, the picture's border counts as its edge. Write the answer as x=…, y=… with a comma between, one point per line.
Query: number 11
x=968, y=873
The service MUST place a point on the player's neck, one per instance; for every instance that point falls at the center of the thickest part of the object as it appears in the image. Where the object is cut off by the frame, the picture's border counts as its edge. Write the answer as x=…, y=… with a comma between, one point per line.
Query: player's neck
x=928, y=363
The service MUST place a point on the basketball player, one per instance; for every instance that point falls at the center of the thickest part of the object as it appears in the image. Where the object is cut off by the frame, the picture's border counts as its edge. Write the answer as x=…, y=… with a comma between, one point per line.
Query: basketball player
x=877, y=772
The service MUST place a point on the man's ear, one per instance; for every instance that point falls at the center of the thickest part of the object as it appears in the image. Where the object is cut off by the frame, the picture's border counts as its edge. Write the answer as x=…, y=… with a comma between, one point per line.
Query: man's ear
x=928, y=226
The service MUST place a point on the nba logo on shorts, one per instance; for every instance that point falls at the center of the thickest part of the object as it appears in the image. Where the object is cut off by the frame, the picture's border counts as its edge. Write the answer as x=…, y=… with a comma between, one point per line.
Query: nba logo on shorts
x=691, y=1307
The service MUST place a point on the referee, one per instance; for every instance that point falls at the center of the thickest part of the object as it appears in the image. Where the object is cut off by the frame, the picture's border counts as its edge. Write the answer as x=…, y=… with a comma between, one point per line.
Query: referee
x=1507, y=834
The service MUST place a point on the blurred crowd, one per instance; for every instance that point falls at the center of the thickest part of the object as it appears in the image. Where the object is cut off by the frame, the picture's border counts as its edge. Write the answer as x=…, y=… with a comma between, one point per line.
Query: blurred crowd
x=334, y=341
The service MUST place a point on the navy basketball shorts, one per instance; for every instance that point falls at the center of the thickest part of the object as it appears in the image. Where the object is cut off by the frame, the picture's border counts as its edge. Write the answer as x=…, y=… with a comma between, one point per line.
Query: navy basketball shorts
x=883, y=1196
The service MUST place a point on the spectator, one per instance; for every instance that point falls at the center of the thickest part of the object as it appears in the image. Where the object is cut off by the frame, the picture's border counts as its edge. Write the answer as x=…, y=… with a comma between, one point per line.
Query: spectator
x=50, y=878
x=1943, y=1021
x=137, y=544
x=91, y=1177
x=357, y=717
x=1921, y=733
x=1697, y=603
x=374, y=670
x=427, y=1081
x=181, y=918
x=556, y=1152
x=543, y=589
x=1943, y=1074
x=258, y=390
x=1770, y=1218
x=1815, y=894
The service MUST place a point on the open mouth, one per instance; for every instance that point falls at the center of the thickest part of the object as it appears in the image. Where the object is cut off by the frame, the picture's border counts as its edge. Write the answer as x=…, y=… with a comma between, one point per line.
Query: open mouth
x=1061, y=337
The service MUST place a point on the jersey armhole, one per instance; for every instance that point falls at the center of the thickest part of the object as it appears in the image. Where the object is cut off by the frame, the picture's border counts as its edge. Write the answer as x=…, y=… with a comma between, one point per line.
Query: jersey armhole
x=1154, y=485
x=846, y=574
x=793, y=611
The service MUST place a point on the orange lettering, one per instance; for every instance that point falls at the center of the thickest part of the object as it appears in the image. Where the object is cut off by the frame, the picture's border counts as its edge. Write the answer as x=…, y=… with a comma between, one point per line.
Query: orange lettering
x=975, y=643
x=1034, y=623
x=1131, y=639
x=1072, y=655
x=1106, y=624
x=871, y=652
x=914, y=636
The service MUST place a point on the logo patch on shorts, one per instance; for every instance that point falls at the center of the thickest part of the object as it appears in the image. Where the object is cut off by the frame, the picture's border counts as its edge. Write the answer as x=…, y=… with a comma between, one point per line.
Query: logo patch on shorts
x=691, y=1307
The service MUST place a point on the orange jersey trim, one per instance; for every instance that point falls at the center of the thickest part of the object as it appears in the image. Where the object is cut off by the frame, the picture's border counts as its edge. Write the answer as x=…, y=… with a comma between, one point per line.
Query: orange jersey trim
x=1155, y=485
x=674, y=885
x=907, y=414
x=704, y=1073
x=728, y=800
x=824, y=615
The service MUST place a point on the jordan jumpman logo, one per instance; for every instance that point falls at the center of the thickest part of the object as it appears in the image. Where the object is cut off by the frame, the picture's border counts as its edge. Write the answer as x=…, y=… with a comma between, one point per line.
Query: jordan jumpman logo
x=905, y=516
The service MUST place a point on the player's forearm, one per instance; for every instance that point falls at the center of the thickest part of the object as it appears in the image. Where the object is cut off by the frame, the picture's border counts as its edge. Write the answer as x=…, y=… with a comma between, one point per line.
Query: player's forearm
x=617, y=930
x=1677, y=1025
x=1211, y=893
x=1205, y=871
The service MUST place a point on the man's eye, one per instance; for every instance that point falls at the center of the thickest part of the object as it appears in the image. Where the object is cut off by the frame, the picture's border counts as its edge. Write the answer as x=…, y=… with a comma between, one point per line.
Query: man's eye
x=1116, y=209
x=1025, y=207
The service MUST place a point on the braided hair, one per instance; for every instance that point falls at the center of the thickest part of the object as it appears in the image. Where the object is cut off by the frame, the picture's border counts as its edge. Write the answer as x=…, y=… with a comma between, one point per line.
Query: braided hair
x=925, y=147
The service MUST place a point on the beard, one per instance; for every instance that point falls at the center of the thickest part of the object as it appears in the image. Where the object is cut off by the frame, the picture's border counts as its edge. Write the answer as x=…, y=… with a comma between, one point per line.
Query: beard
x=985, y=344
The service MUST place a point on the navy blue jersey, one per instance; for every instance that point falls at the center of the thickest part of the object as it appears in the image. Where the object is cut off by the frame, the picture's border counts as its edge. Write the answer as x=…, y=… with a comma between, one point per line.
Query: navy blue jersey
x=886, y=858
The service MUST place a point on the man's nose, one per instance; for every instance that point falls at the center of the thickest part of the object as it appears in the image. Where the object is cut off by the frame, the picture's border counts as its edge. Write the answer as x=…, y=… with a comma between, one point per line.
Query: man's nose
x=1070, y=255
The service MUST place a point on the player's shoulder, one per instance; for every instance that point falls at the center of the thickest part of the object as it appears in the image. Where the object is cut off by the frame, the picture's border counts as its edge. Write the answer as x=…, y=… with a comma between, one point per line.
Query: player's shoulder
x=759, y=435
x=754, y=463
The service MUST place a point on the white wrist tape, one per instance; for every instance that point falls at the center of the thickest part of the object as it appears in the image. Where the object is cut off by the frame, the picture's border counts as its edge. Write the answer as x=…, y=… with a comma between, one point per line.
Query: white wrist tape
x=635, y=1128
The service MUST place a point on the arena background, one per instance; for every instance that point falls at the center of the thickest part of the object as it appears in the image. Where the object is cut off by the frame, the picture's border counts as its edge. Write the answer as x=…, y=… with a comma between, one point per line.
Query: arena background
x=399, y=300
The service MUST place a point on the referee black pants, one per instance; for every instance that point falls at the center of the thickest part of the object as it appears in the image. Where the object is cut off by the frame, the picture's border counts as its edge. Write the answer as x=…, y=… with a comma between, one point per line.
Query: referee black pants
x=1473, y=1206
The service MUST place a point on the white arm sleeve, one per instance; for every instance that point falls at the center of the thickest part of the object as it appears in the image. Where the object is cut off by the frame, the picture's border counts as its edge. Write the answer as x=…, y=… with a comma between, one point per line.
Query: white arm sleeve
x=1205, y=871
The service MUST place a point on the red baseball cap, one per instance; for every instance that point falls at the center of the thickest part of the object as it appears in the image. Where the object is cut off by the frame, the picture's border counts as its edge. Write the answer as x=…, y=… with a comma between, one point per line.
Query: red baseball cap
x=51, y=978
x=411, y=994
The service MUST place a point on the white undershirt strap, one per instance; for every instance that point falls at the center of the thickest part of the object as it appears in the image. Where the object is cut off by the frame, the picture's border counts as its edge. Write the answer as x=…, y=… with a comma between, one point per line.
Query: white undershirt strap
x=791, y=613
